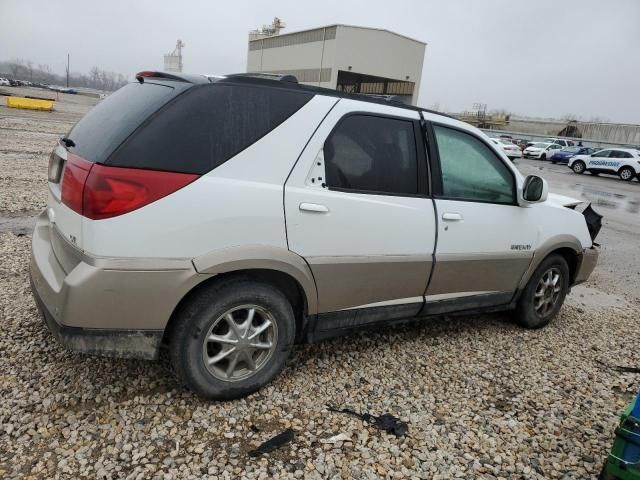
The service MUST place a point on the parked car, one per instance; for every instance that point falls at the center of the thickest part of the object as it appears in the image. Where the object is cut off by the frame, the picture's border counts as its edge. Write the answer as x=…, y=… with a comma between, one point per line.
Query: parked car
x=540, y=150
x=230, y=217
x=624, y=162
x=560, y=141
x=521, y=142
x=563, y=155
x=4, y=82
x=511, y=150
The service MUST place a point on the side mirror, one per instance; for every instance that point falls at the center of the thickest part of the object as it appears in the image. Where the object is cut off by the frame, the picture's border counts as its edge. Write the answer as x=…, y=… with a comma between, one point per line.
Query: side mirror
x=535, y=189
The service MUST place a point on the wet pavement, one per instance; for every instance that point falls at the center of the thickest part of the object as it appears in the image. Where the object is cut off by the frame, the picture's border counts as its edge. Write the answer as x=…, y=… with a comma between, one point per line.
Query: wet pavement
x=618, y=269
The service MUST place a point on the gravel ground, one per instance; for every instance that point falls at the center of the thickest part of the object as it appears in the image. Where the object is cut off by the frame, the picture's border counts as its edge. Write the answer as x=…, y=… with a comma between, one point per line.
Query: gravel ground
x=482, y=397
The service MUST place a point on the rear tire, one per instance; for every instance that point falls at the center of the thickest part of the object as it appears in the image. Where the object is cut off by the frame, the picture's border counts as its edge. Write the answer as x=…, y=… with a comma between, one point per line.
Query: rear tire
x=626, y=174
x=221, y=360
x=544, y=294
x=578, y=167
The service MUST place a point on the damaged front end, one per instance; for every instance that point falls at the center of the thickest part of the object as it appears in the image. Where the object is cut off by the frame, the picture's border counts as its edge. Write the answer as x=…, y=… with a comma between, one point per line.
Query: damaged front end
x=594, y=221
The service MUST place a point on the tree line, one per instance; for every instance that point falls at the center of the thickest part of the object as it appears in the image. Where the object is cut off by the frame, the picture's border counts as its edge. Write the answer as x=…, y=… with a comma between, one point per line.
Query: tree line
x=20, y=69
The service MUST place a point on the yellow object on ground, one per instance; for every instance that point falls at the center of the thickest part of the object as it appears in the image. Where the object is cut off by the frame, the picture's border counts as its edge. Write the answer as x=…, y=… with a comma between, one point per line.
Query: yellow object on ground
x=29, y=103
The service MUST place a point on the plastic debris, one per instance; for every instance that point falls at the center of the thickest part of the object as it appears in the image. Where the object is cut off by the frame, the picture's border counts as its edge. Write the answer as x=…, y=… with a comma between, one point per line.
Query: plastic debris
x=341, y=437
x=386, y=422
x=273, y=443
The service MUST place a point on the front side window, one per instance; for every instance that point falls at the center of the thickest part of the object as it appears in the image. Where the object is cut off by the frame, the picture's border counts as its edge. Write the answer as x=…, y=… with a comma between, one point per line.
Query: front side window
x=373, y=154
x=470, y=169
x=602, y=154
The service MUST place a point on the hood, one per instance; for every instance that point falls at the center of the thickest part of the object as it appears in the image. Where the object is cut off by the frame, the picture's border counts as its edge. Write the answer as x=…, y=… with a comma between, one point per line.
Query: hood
x=563, y=200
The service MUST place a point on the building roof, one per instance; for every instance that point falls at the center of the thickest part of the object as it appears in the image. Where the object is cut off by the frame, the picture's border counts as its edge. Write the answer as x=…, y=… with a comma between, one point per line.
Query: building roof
x=344, y=25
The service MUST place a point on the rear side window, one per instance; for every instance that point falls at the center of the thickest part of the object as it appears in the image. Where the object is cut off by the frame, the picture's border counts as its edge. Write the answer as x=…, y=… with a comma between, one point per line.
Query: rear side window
x=207, y=126
x=372, y=154
x=112, y=120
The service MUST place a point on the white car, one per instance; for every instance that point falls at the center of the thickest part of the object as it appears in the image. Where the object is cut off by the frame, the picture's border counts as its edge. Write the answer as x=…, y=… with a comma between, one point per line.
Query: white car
x=624, y=162
x=4, y=82
x=540, y=150
x=560, y=141
x=285, y=213
x=511, y=150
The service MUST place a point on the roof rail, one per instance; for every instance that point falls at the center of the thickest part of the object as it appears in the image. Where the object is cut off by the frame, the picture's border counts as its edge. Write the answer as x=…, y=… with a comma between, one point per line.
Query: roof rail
x=266, y=76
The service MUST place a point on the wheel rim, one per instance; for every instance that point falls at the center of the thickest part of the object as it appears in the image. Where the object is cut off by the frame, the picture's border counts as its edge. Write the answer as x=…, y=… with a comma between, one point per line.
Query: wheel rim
x=625, y=174
x=577, y=168
x=548, y=291
x=240, y=342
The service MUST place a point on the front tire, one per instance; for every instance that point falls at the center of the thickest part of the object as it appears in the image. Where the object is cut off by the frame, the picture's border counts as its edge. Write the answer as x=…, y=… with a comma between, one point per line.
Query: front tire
x=232, y=339
x=544, y=294
x=543, y=157
x=578, y=167
x=626, y=174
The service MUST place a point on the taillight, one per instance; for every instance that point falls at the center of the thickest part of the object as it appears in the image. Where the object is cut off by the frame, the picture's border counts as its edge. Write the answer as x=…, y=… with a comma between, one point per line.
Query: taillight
x=112, y=191
x=75, y=174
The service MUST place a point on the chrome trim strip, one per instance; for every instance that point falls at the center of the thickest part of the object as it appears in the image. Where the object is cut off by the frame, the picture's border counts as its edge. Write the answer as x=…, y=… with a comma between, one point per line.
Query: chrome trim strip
x=397, y=301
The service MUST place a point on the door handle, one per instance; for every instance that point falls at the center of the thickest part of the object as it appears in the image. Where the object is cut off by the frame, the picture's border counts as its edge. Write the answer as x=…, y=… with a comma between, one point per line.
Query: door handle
x=313, y=207
x=451, y=217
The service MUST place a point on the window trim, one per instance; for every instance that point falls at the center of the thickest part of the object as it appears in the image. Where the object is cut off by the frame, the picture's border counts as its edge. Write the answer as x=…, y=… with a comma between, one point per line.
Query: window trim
x=421, y=157
x=437, y=170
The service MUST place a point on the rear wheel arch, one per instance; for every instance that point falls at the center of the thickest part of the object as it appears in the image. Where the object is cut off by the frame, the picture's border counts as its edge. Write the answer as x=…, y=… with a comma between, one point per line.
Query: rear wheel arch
x=285, y=283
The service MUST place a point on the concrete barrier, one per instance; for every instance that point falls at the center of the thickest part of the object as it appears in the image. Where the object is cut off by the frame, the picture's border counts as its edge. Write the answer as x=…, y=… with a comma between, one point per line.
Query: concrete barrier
x=29, y=103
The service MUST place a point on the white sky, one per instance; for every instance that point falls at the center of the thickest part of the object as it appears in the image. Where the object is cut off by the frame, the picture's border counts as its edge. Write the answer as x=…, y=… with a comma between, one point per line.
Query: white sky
x=544, y=58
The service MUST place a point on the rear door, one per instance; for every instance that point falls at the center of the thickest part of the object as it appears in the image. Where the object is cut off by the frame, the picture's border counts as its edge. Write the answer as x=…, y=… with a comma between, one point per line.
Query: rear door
x=485, y=240
x=358, y=210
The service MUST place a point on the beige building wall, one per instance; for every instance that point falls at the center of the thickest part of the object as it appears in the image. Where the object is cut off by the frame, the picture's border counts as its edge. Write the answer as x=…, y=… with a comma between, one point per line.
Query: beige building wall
x=380, y=53
x=366, y=51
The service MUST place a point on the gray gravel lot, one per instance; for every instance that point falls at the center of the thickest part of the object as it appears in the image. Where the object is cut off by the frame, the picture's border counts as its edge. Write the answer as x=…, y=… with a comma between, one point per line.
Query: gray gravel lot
x=483, y=398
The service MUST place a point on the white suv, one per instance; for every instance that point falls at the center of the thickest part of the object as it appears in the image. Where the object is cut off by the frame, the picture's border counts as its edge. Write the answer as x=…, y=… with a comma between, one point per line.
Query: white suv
x=624, y=162
x=229, y=217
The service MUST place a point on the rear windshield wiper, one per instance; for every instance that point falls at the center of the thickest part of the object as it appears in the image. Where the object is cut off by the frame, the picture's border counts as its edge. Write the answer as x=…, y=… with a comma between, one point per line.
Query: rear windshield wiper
x=68, y=142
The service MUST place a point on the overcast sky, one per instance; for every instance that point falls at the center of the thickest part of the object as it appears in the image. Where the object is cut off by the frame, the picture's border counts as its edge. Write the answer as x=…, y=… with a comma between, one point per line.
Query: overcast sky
x=545, y=58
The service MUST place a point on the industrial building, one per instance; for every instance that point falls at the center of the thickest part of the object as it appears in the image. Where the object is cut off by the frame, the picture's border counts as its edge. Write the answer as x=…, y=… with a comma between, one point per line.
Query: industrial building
x=342, y=57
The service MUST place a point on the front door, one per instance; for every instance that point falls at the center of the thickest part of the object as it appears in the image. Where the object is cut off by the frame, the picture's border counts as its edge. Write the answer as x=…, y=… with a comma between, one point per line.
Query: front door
x=358, y=210
x=485, y=240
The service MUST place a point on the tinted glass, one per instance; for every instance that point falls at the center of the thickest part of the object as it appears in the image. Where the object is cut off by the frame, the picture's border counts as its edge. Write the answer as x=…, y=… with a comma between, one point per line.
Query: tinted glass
x=603, y=153
x=623, y=155
x=207, y=126
x=112, y=120
x=374, y=154
x=470, y=169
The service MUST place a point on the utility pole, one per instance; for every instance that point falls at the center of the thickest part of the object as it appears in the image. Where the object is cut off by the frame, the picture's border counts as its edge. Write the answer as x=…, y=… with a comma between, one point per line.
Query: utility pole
x=67, y=70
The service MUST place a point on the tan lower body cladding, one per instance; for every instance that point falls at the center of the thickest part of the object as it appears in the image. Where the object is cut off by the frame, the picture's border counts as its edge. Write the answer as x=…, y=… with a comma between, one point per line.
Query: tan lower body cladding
x=347, y=282
x=478, y=273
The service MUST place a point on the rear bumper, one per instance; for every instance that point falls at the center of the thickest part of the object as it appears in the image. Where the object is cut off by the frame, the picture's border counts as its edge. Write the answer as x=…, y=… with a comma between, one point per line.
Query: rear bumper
x=143, y=344
x=117, y=307
x=587, y=264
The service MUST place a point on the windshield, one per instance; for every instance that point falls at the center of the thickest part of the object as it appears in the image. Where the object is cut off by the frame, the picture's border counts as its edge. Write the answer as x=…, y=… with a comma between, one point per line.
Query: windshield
x=572, y=149
x=540, y=145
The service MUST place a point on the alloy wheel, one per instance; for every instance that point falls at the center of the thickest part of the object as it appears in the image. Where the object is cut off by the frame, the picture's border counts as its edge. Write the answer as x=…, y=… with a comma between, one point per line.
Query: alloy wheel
x=240, y=342
x=548, y=291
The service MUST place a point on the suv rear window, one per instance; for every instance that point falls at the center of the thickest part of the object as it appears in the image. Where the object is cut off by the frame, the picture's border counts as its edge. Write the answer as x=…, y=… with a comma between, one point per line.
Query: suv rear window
x=106, y=126
x=207, y=126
